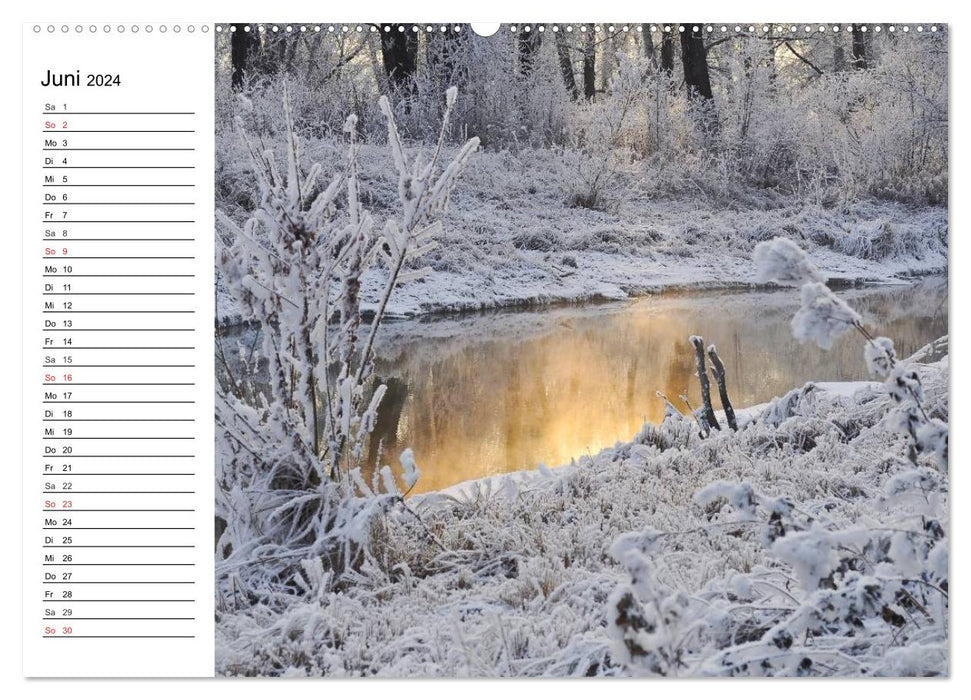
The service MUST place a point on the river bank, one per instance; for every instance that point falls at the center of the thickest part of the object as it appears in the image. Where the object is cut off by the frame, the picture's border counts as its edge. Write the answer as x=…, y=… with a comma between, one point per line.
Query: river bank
x=512, y=239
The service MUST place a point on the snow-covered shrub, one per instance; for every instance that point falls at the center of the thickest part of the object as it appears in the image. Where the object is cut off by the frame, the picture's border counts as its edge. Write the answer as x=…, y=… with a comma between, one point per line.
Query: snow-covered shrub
x=603, y=138
x=880, y=240
x=834, y=596
x=650, y=621
x=781, y=260
x=289, y=458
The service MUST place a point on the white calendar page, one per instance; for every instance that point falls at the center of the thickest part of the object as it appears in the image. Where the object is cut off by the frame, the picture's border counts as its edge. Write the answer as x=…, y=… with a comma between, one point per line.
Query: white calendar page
x=117, y=348
x=537, y=490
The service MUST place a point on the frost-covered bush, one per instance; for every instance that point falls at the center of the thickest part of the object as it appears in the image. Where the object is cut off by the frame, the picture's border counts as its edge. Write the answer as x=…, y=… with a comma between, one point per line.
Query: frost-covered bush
x=603, y=137
x=823, y=317
x=288, y=470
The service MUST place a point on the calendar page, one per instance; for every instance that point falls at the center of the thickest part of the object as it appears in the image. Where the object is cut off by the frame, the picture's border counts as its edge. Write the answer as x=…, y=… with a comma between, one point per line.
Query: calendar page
x=117, y=348
x=450, y=350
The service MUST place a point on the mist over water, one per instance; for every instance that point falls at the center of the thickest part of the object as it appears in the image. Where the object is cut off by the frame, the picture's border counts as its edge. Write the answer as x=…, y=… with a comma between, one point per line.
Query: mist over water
x=481, y=394
x=485, y=394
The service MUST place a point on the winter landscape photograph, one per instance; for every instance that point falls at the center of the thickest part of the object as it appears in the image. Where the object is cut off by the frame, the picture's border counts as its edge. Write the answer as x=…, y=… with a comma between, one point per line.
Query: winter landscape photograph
x=590, y=350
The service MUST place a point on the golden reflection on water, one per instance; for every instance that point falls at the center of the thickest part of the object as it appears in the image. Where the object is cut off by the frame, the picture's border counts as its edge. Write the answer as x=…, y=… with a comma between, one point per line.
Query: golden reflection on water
x=497, y=393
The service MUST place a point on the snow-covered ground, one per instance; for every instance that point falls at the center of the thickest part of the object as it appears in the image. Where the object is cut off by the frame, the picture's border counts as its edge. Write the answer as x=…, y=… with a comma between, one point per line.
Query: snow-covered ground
x=795, y=546
x=511, y=238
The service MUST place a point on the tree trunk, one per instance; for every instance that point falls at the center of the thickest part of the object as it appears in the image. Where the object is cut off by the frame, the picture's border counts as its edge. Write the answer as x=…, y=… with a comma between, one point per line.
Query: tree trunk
x=694, y=59
x=608, y=60
x=667, y=53
x=377, y=63
x=528, y=50
x=399, y=52
x=566, y=67
x=589, y=64
x=450, y=49
x=239, y=48
x=649, y=44
x=859, y=48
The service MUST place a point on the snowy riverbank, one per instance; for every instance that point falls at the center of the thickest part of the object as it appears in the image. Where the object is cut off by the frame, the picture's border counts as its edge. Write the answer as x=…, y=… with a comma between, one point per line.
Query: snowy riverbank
x=580, y=259
x=734, y=547
x=512, y=239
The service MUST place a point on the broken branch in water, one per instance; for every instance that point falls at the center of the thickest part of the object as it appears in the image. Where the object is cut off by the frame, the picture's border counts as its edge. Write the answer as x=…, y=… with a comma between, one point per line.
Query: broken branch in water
x=707, y=410
x=718, y=370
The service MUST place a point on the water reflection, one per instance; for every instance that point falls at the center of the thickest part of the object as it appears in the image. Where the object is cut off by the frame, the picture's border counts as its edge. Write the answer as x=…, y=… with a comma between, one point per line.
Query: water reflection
x=486, y=394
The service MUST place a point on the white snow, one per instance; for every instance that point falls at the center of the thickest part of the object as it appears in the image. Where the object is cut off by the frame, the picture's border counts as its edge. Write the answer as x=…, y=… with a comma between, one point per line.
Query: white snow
x=823, y=316
x=410, y=471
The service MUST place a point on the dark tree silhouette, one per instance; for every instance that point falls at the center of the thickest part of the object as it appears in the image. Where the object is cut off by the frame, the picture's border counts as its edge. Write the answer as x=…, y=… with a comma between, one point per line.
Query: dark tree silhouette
x=859, y=48
x=694, y=59
x=529, y=43
x=566, y=67
x=649, y=44
x=240, y=44
x=399, y=53
x=667, y=53
x=589, y=64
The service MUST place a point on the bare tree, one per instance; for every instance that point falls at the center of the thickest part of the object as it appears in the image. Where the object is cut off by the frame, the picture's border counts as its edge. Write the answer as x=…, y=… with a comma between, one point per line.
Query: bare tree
x=566, y=67
x=694, y=59
x=399, y=52
x=589, y=64
x=529, y=42
x=667, y=53
x=859, y=61
x=839, y=53
x=649, y=44
x=240, y=45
